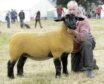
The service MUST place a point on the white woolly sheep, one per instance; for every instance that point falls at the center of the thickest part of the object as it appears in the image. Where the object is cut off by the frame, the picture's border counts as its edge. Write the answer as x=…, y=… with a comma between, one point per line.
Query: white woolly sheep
x=40, y=46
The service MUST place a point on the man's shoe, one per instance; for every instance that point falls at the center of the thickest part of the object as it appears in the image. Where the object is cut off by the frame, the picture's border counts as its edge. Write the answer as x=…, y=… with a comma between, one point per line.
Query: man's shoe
x=89, y=74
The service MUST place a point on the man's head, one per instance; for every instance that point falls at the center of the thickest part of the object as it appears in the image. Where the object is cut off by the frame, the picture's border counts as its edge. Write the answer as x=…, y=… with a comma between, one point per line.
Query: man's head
x=72, y=7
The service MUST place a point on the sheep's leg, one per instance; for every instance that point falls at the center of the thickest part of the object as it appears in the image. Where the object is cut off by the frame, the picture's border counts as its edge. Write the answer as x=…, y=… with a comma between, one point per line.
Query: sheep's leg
x=10, y=69
x=57, y=63
x=20, y=65
x=64, y=60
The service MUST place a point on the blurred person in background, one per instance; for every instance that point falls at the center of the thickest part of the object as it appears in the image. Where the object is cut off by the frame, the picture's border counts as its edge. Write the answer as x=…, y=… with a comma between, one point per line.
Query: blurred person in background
x=98, y=12
x=59, y=11
x=38, y=19
x=22, y=18
x=7, y=18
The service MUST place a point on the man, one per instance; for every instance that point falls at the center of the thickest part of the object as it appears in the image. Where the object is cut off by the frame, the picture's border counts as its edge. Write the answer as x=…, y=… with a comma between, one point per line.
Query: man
x=22, y=17
x=82, y=55
x=38, y=19
x=59, y=11
x=98, y=11
x=7, y=18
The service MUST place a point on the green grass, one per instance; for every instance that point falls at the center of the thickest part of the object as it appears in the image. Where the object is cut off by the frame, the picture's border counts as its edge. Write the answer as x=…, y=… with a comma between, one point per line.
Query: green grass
x=97, y=28
x=4, y=38
x=43, y=72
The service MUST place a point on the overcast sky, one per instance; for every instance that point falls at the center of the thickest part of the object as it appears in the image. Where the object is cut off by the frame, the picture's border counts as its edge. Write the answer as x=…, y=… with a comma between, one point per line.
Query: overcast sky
x=6, y=4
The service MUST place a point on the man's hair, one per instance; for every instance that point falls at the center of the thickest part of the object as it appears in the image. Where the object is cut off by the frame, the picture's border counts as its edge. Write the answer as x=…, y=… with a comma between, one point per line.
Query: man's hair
x=72, y=3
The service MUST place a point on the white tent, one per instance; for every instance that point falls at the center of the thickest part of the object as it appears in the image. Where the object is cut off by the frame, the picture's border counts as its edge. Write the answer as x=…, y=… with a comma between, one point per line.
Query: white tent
x=43, y=6
x=30, y=7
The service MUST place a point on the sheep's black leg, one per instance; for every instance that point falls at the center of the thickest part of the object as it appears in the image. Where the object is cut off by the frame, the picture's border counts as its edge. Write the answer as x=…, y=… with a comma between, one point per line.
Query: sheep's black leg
x=57, y=64
x=20, y=65
x=64, y=60
x=10, y=69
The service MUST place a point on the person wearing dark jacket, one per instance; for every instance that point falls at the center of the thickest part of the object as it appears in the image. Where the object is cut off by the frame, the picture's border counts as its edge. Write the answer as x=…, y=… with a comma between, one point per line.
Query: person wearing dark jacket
x=7, y=18
x=22, y=18
x=38, y=19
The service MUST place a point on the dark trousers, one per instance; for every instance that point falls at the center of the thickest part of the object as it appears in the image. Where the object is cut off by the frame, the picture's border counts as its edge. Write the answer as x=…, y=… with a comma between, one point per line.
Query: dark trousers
x=59, y=16
x=97, y=15
x=38, y=21
x=8, y=24
x=84, y=58
x=21, y=23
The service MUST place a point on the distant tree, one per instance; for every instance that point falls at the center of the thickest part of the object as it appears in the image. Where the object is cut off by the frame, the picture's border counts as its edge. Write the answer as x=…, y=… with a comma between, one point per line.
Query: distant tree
x=84, y=3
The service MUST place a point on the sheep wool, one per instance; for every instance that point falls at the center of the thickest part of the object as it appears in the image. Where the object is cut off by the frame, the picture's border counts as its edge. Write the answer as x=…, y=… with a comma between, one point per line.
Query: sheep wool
x=39, y=45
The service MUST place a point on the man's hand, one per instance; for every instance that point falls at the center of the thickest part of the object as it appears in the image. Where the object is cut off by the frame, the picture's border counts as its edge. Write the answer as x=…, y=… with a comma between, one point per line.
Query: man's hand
x=73, y=31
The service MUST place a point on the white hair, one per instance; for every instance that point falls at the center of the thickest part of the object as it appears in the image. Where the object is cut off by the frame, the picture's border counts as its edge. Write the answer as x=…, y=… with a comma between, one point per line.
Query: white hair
x=72, y=3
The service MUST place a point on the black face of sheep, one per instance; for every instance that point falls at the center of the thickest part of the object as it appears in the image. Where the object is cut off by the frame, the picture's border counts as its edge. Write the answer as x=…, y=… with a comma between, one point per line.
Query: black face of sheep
x=70, y=20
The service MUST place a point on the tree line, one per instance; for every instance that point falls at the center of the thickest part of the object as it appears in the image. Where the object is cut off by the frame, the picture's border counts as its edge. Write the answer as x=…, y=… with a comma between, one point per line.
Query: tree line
x=85, y=3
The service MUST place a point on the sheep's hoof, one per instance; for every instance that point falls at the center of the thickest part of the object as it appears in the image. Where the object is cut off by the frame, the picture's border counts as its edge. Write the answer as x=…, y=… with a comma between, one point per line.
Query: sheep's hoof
x=66, y=73
x=20, y=75
x=11, y=77
x=58, y=76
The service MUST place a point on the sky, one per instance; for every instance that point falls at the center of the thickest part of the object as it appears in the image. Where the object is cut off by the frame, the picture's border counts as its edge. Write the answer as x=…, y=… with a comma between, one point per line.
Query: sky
x=16, y=4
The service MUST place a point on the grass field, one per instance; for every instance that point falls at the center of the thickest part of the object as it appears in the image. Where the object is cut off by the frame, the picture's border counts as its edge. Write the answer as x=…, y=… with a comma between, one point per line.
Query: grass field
x=43, y=72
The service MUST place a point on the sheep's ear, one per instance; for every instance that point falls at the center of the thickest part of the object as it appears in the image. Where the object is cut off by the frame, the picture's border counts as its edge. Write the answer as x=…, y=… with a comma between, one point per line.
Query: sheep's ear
x=79, y=18
x=59, y=19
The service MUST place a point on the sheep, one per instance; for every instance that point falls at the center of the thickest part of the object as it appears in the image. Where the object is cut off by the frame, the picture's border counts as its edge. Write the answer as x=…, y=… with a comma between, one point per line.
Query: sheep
x=54, y=44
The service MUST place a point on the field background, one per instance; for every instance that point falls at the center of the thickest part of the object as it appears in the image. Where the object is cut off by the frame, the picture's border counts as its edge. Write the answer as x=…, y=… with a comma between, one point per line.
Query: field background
x=43, y=72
